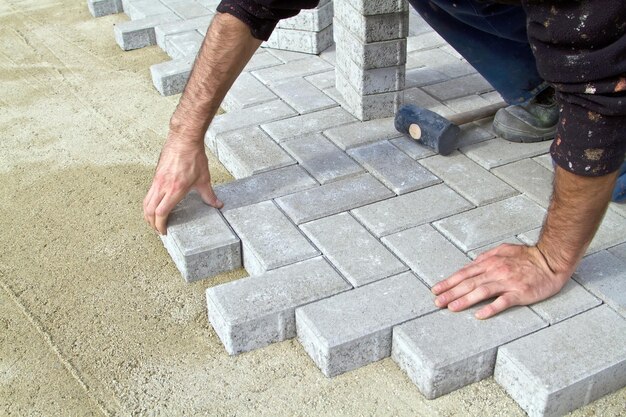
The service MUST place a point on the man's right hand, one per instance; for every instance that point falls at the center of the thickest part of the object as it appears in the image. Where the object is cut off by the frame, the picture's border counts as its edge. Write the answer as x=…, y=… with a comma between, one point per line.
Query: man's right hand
x=182, y=166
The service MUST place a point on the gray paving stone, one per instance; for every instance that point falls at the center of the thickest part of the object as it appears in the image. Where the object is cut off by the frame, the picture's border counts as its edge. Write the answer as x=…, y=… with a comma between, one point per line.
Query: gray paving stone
x=185, y=44
x=573, y=299
x=445, y=351
x=412, y=147
x=301, y=40
x=262, y=59
x=140, y=9
x=565, y=366
x=322, y=80
x=362, y=133
x=419, y=77
x=246, y=92
x=618, y=208
x=441, y=61
x=268, y=238
x=472, y=133
x=490, y=223
x=323, y=160
x=428, y=40
x=264, y=186
x=100, y=8
x=353, y=329
x=137, y=34
x=250, y=151
x=302, y=95
x=308, y=123
x=468, y=178
x=188, y=9
x=367, y=7
x=251, y=116
x=298, y=68
x=430, y=255
x=254, y=312
x=312, y=20
x=333, y=198
x=164, y=29
x=372, y=54
x=370, y=81
x=333, y=93
x=171, y=77
x=200, y=241
x=374, y=28
x=419, y=98
x=399, y=172
x=360, y=257
x=368, y=107
x=496, y=152
x=288, y=56
x=604, y=275
x=619, y=251
x=410, y=210
x=467, y=103
x=530, y=178
x=459, y=87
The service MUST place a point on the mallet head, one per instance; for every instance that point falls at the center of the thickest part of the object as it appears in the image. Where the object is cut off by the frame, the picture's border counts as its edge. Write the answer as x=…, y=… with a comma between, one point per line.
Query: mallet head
x=432, y=129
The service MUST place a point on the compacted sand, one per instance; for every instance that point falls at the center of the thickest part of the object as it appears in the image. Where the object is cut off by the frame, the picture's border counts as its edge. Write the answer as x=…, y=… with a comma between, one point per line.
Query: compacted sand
x=94, y=318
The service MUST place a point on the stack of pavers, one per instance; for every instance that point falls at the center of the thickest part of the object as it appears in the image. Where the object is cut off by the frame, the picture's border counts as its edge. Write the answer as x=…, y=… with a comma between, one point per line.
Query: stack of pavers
x=309, y=32
x=343, y=226
x=370, y=38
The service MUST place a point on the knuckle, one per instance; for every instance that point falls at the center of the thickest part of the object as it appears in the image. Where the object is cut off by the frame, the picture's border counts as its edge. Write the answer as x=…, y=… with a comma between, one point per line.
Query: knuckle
x=483, y=292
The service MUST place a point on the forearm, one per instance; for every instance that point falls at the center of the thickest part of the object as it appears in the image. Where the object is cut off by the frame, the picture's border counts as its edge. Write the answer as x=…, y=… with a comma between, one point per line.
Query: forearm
x=576, y=211
x=227, y=48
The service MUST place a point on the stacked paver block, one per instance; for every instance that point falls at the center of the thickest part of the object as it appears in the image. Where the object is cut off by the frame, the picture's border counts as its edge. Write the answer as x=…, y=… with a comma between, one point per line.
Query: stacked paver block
x=311, y=31
x=100, y=8
x=371, y=55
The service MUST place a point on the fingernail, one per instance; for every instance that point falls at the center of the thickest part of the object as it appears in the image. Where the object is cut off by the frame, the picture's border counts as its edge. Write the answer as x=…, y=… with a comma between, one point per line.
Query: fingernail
x=438, y=302
x=480, y=315
x=435, y=288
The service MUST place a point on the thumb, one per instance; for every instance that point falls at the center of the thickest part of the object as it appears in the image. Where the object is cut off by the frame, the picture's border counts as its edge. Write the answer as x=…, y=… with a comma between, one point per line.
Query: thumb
x=208, y=195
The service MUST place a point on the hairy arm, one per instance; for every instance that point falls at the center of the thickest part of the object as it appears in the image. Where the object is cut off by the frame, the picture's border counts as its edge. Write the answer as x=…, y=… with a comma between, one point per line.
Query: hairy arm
x=522, y=275
x=183, y=164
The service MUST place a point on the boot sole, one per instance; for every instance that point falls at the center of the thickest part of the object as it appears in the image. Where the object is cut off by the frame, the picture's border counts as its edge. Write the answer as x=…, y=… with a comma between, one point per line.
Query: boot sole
x=522, y=137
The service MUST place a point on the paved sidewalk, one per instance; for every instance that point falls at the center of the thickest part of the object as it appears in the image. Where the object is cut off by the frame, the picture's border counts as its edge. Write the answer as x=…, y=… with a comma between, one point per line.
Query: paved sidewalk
x=344, y=225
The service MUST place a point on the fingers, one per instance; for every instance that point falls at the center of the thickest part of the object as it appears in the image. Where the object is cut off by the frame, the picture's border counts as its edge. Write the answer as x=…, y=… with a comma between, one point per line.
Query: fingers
x=151, y=202
x=208, y=195
x=479, y=294
x=162, y=211
x=455, y=279
x=497, y=306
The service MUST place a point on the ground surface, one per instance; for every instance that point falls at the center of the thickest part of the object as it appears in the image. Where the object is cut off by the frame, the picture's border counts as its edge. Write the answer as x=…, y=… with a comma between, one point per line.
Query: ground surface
x=94, y=317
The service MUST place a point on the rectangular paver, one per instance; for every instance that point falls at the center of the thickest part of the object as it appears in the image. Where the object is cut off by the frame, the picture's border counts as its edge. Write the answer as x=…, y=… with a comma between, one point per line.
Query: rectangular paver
x=100, y=8
x=529, y=177
x=565, y=366
x=445, y=351
x=430, y=255
x=359, y=256
x=619, y=251
x=264, y=186
x=268, y=238
x=573, y=299
x=308, y=123
x=323, y=160
x=459, y=87
x=256, y=311
x=468, y=178
x=137, y=34
x=495, y=152
x=247, y=91
x=200, y=241
x=490, y=223
x=362, y=133
x=302, y=95
x=373, y=80
x=371, y=106
x=394, y=168
x=412, y=147
x=261, y=113
x=164, y=29
x=353, y=329
x=171, y=77
x=250, y=151
x=299, y=68
x=411, y=210
x=604, y=275
x=333, y=198
x=374, y=28
x=186, y=44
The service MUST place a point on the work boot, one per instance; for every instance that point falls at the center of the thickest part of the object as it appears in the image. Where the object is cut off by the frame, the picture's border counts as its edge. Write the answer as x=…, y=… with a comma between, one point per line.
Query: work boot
x=534, y=121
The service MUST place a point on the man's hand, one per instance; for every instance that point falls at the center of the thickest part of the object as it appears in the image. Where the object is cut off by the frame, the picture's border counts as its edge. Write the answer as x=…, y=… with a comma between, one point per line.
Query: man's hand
x=182, y=166
x=522, y=275
x=516, y=275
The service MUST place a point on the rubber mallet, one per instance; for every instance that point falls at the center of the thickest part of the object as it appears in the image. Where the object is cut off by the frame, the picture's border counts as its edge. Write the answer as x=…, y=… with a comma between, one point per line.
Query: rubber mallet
x=435, y=131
